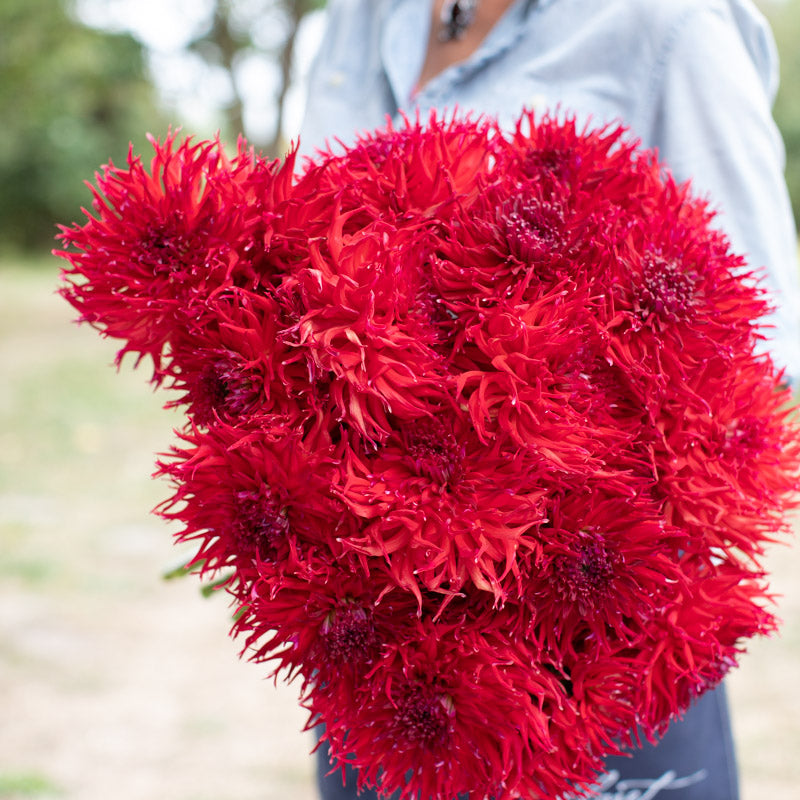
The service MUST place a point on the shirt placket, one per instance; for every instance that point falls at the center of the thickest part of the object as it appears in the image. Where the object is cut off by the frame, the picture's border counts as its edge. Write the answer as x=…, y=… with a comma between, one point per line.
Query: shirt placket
x=404, y=41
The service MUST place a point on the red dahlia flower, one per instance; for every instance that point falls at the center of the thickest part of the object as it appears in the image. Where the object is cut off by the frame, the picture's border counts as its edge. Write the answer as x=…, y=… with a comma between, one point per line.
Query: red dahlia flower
x=477, y=434
x=164, y=240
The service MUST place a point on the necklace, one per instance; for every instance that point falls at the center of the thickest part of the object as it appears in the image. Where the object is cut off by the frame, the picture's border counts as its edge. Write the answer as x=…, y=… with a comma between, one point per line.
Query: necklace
x=457, y=16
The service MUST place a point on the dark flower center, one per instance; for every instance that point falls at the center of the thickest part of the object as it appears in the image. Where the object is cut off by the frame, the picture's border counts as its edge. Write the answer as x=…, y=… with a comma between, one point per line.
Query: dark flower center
x=558, y=164
x=533, y=228
x=210, y=394
x=164, y=248
x=668, y=288
x=585, y=577
x=262, y=523
x=348, y=635
x=434, y=451
x=425, y=717
x=222, y=387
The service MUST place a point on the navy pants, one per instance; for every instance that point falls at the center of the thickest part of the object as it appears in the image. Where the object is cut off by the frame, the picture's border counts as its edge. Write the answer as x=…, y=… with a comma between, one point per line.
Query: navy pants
x=694, y=761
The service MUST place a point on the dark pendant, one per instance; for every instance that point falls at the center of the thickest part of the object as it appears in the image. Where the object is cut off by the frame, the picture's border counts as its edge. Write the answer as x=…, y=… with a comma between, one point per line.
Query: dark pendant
x=457, y=16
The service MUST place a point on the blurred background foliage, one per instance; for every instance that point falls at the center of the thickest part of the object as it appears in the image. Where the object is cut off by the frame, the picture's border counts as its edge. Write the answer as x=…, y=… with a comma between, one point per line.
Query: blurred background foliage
x=72, y=95
x=784, y=15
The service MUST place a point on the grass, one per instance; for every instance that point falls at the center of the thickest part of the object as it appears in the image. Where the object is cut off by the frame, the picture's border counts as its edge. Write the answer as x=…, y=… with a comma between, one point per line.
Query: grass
x=108, y=671
x=25, y=785
x=115, y=683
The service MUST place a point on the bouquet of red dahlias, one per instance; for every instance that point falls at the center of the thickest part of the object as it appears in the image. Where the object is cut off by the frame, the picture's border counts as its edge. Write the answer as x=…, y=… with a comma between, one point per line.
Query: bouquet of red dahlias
x=477, y=434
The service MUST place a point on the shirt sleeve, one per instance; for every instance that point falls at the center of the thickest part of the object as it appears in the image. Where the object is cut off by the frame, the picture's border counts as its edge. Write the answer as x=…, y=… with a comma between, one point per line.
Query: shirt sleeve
x=713, y=124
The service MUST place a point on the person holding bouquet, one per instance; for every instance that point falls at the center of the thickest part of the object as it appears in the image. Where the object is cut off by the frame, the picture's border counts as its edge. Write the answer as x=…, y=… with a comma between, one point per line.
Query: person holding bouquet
x=693, y=79
x=486, y=418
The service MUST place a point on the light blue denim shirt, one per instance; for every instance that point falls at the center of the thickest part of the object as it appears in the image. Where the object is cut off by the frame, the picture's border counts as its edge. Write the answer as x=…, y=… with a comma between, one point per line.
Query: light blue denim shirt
x=693, y=78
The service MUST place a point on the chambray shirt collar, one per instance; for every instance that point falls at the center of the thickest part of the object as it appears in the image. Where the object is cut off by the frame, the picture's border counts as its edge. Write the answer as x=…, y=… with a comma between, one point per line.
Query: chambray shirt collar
x=403, y=46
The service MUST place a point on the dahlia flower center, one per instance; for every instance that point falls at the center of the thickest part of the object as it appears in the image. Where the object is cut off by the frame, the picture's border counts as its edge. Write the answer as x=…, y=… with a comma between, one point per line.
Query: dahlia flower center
x=593, y=569
x=210, y=393
x=585, y=576
x=222, y=386
x=533, y=228
x=667, y=289
x=434, y=451
x=163, y=249
x=555, y=162
x=348, y=634
x=425, y=717
x=262, y=523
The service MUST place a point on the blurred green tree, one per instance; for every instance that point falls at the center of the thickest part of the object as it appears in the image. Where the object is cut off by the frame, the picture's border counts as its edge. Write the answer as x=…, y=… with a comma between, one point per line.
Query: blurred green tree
x=242, y=29
x=784, y=16
x=70, y=98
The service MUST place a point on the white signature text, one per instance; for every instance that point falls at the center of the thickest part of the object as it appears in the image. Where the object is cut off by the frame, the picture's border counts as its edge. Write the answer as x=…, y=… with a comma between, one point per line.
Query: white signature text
x=610, y=787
